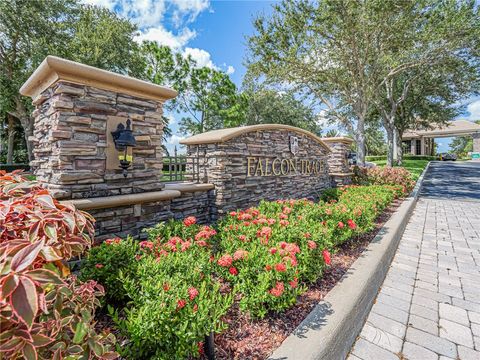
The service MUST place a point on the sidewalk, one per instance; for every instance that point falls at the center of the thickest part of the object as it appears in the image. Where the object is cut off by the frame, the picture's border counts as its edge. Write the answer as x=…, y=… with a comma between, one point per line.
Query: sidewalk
x=429, y=304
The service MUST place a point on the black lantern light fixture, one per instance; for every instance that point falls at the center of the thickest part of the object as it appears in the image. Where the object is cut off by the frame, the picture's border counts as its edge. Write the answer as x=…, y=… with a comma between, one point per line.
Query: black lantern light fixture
x=124, y=139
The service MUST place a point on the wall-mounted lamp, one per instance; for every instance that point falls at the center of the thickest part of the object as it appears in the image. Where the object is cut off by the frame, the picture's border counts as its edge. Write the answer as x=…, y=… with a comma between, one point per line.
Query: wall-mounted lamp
x=124, y=139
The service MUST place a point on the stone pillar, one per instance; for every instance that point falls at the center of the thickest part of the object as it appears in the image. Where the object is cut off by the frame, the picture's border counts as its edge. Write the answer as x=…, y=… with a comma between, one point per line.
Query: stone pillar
x=476, y=142
x=339, y=169
x=413, y=146
x=422, y=146
x=76, y=108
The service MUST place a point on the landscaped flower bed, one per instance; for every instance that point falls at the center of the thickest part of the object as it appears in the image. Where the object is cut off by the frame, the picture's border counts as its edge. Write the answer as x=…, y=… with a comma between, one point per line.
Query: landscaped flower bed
x=165, y=294
x=170, y=291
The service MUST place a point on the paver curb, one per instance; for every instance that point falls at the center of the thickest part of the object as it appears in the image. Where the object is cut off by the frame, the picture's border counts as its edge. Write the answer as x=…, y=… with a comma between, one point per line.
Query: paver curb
x=331, y=328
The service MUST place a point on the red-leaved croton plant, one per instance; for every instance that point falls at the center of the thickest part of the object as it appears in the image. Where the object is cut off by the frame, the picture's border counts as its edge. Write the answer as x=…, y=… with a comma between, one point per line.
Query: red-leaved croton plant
x=45, y=312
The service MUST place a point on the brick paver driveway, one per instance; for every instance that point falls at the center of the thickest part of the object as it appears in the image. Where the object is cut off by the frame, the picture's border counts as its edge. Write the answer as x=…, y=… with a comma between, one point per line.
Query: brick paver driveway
x=429, y=304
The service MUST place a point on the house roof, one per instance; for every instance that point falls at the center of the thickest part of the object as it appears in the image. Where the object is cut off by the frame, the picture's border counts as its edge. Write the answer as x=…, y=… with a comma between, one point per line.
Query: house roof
x=453, y=128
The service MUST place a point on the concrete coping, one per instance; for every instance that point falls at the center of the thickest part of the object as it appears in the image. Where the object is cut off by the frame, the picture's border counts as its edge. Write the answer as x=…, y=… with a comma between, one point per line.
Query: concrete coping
x=123, y=200
x=54, y=69
x=171, y=191
x=223, y=135
x=341, y=139
x=189, y=187
x=341, y=174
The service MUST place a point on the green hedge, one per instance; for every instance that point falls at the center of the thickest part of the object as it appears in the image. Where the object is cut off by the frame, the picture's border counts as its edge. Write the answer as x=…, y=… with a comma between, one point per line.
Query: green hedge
x=12, y=167
x=405, y=157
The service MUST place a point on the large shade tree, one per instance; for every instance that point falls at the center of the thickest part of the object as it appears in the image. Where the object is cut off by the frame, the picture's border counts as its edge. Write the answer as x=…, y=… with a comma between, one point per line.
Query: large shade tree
x=352, y=55
x=432, y=62
x=270, y=106
x=207, y=98
x=328, y=50
x=31, y=30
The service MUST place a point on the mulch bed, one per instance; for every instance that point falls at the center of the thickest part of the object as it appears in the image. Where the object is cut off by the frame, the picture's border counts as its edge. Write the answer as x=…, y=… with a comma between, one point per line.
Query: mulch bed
x=251, y=339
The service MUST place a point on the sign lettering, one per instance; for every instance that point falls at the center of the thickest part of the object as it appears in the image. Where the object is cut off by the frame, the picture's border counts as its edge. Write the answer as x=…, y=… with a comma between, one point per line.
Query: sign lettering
x=257, y=166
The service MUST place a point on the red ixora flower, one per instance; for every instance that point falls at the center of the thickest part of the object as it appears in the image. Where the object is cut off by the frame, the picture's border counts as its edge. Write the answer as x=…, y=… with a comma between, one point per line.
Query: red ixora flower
x=99, y=266
x=307, y=235
x=273, y=250
x=233, y=270
x=278, y=289
x=266, y=231
x=233, y=213
x=351, y=224
x=341, y=225
x=326, y=257
x=280, y=267
x=166, y=287
x=113, y=241
x=294, y=283
x=189, y=221
x=146, y=244
x=181, y=304
x=192, y=293
x=240, y=254
x=312, y=244
x=225, y=261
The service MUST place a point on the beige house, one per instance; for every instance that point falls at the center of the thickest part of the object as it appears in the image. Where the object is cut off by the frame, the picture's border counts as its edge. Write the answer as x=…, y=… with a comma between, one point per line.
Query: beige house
x=420, y=142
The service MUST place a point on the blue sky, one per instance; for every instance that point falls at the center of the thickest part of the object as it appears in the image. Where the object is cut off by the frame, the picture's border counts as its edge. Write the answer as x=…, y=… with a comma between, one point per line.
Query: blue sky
x=212, y=32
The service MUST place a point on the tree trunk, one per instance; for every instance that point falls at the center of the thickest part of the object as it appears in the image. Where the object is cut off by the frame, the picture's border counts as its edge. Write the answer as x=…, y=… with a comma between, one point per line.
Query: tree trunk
x=395, y=148
x=398, y=137
x=389, y=131
x=27, y=123
x=11, y=139
x=360, y=138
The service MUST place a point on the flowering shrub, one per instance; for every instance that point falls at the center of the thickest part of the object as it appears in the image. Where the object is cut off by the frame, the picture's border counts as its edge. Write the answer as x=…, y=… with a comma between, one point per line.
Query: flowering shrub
x=185, y=276
x=174, y=299
x=45, y=313
x=383, y=176
x=270, y=251
x=105, y=263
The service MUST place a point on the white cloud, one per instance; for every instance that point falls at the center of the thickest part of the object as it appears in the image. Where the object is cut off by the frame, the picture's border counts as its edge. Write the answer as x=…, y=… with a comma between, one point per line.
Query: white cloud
x=171, y=119
x=175, y=139
x=165, y=37
x=149, y=13
x=230, y=69
x=201, y=57
x=188, y=9
x=474, y=109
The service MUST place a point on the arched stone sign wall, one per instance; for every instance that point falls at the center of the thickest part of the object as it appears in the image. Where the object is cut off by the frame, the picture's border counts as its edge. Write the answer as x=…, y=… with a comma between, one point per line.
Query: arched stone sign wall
x=252, y=163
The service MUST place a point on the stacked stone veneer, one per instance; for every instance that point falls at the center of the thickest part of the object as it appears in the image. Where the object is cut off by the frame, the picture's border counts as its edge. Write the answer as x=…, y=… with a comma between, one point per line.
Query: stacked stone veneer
x=224, y=164
x=340, y=171
x=71, y=136
x=130, y=220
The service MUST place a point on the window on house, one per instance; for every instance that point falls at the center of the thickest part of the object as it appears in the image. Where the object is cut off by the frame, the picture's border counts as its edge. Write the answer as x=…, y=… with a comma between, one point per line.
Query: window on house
x=418, y=147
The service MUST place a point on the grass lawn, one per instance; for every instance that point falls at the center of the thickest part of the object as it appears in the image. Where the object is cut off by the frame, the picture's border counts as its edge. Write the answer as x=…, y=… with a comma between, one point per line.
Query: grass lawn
x=414, y=166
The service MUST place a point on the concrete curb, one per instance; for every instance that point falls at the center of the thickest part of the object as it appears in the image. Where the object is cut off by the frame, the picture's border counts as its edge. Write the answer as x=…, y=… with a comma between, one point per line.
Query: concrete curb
x=330, y=330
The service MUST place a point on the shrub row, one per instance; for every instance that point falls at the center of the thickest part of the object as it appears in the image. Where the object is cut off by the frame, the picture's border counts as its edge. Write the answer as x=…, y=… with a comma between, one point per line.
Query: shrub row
x=404, y=157
x=171, y=290
x=387, y=175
